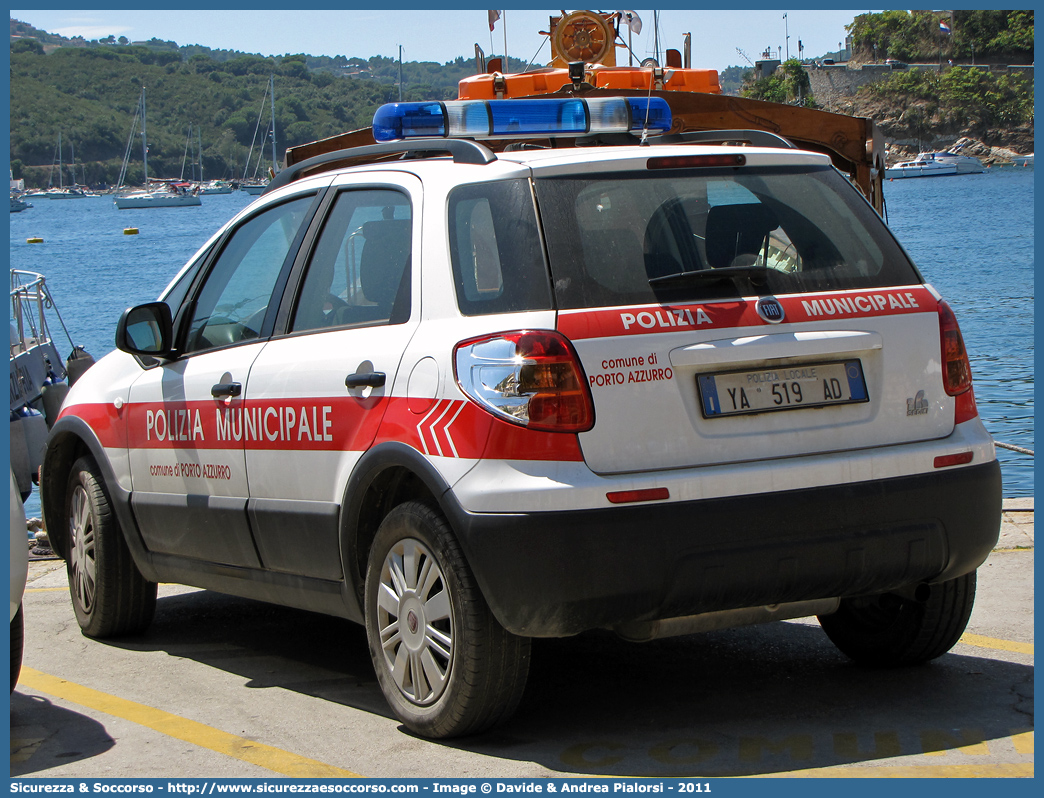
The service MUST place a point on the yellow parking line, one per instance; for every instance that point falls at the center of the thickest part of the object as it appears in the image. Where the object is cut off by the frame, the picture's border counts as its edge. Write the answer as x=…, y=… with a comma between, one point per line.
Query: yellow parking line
x=1014, y=770
x=266, y=756
x=290, y=764
x=994, y=643
x=46, y=589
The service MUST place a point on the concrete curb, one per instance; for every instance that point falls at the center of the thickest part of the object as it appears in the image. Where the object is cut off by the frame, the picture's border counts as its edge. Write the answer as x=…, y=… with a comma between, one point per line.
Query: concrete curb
x=1016, y=524
x=1022, y=504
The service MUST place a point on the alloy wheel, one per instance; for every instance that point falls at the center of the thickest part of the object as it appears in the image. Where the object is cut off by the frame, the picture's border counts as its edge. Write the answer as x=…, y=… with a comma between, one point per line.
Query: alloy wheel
x=414, y=616
x=82, y=551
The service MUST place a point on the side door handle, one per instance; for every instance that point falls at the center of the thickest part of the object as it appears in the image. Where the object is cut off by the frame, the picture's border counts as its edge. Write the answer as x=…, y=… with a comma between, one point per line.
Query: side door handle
x=226, y=389
x=371, y=379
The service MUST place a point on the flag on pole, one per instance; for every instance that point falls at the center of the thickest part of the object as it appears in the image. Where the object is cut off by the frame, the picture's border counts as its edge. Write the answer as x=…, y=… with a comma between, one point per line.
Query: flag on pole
x=634, y=22
x=944, y=26
x=493, y=17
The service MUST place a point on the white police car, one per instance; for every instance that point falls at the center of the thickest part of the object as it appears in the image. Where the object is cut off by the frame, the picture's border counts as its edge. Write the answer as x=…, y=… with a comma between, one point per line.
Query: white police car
x=469, y=399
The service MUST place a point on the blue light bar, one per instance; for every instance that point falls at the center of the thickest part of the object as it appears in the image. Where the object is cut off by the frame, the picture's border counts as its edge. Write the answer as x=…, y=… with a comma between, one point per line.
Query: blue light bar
x=521, y=118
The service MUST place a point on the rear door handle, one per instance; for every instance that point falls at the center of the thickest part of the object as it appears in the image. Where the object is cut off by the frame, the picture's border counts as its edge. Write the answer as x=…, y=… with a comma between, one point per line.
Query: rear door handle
x=226, y=389
x=371, y=379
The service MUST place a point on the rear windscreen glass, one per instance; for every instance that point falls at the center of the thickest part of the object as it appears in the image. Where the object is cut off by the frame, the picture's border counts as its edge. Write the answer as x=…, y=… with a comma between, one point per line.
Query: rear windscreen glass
x=638, y=238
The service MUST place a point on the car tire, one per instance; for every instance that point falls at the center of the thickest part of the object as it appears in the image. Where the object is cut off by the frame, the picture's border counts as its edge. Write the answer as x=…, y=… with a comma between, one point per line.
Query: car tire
x=450, y=668
x=109, y=595
x=17, y=643
x=890, y=630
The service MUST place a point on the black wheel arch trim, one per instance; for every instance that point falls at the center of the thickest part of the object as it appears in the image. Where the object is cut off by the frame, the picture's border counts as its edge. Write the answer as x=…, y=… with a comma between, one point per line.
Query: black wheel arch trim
x=67, y=435
x=376, y=460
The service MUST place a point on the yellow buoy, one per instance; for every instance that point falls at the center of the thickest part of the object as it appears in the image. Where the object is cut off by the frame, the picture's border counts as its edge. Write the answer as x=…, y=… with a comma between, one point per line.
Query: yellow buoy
x=34, y=240
x=130, y=231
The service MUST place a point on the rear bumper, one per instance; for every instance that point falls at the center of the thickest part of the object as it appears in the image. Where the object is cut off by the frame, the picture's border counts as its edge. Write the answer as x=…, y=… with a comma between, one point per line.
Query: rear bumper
x=560, y=573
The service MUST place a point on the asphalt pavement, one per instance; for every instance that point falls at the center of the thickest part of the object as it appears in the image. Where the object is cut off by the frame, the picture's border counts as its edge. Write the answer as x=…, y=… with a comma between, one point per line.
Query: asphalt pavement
x=225, y=687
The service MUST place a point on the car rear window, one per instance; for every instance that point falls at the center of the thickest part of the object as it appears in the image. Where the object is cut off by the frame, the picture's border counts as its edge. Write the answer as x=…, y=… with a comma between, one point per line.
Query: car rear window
x=495, y=248
x=782, y=230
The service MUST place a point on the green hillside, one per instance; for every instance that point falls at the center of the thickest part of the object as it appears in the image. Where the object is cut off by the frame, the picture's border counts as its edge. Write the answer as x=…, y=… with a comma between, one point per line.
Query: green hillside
x=88, y=93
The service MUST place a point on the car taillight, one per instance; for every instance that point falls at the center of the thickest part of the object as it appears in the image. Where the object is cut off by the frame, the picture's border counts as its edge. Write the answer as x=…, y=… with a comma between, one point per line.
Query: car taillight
x=957, y=376
x=529, y=377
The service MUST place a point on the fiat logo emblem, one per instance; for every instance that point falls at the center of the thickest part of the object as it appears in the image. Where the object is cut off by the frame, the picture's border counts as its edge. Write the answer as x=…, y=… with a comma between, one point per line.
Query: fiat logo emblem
x=411, y=621
x=770, y=309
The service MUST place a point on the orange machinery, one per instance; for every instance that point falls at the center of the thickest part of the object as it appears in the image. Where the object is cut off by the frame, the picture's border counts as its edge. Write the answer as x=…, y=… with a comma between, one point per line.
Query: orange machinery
x=854, y=144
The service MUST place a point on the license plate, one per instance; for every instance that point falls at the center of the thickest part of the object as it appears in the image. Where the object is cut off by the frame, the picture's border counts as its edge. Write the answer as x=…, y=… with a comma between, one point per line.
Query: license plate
x=781, y=388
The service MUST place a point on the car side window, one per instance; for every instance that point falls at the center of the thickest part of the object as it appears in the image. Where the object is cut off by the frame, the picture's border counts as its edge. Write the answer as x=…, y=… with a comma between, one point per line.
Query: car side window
x=495, y=249
x=231, y=305
x=359, y=272
x=175, y=294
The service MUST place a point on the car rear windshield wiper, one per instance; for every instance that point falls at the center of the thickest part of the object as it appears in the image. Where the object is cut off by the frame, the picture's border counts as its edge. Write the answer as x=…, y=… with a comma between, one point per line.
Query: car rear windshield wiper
x=708, y=276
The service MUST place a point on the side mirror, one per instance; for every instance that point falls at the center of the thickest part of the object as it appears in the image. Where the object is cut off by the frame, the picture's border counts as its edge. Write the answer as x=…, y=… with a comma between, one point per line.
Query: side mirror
x=146, y=330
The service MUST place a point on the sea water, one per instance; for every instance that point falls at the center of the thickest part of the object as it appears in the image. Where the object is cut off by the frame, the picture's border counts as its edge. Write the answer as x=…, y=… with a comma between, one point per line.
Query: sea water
x=970, y=235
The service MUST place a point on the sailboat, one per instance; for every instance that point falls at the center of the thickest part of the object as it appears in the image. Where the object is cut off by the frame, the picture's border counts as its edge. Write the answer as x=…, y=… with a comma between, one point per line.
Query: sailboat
x=199, y=185
x=169, y=194
x=254, y=186
x=62, y=192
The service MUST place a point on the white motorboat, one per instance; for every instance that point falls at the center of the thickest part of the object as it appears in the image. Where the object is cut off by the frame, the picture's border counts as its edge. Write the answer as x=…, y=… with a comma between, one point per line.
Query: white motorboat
x=931, y=164
x=68, y=192
x=920, y=167
x=966, y=164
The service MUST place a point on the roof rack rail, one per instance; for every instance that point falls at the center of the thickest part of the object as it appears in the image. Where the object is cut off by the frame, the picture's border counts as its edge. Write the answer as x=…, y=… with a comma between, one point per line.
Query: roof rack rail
x=758, y=138
x=462, y=150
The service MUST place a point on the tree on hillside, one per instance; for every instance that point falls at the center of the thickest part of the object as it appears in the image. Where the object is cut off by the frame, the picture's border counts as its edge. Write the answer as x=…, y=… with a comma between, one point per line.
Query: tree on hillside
x=732, y=79
x=789, y=84
x=992, y=32
x=894, y=34
x=27, y=46
x=917, y=35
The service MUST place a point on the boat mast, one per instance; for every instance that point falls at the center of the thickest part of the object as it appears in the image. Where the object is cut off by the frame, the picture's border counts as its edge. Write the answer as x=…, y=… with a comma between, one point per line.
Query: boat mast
x=656, y=35
x=144, y=140
x=257, y=128
x=130, y=145
x=184, y=155
x=275, y=166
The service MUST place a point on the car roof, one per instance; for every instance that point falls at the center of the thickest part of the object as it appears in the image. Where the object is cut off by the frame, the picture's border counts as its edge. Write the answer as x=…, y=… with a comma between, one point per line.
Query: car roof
x=603, y=156
x=470, y=161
